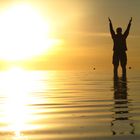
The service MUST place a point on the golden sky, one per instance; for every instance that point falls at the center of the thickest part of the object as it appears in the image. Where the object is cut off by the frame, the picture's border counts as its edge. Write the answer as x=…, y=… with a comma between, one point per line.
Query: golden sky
x=65, y=34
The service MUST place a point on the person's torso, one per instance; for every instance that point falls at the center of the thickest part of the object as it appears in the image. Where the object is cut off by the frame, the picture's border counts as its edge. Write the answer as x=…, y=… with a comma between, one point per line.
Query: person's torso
x=119, y=43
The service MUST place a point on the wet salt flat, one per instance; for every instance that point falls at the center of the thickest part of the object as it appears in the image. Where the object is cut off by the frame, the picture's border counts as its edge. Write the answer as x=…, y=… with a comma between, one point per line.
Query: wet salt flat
x=68, y=105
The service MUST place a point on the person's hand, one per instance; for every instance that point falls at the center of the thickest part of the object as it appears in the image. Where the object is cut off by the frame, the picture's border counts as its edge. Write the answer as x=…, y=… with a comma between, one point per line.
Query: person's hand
x=130, y=20
x=109, y=19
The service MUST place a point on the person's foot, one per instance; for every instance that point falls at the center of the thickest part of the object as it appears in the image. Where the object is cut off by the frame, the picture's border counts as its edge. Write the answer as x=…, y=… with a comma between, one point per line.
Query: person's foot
x=115, y=77
x=124, y=77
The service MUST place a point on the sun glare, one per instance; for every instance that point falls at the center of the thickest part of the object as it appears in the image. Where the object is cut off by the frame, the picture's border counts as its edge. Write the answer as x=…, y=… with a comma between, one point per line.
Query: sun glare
x=17, y=115
x=23, y=33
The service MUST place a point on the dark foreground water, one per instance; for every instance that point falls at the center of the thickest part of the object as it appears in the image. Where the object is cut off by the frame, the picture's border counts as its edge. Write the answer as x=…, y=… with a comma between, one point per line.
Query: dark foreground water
x=60, y=105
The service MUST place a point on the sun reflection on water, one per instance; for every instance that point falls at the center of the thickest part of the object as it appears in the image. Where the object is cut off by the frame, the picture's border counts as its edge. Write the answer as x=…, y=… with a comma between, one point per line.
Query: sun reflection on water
x=17, y=87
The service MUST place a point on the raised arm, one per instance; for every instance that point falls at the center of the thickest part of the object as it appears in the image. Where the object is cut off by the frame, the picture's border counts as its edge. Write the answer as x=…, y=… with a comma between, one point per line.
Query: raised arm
x=111, y=28
x=126, y=33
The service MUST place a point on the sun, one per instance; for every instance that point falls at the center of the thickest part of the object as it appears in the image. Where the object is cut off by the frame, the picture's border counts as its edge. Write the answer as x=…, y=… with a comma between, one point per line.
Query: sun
x=23, y=33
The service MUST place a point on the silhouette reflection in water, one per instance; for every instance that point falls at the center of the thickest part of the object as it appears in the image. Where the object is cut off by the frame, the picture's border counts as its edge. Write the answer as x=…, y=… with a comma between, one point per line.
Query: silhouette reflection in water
x=122, y=123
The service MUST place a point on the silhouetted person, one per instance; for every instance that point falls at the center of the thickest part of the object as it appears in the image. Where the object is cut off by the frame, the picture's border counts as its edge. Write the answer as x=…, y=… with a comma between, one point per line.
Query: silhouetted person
x=119, y=48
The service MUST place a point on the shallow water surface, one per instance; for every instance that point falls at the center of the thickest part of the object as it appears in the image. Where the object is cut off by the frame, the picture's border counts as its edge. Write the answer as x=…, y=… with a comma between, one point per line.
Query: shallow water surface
x=68, y=105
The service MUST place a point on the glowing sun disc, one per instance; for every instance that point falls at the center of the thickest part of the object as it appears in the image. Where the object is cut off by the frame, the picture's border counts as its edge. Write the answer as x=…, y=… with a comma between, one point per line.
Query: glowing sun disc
x=23, y=33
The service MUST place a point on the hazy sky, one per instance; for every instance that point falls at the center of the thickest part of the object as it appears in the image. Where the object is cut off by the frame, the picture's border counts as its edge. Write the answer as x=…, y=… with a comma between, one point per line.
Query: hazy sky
x=82, y=26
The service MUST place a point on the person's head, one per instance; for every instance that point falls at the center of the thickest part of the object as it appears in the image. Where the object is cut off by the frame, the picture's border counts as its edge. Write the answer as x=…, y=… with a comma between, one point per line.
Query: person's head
x=119, y=30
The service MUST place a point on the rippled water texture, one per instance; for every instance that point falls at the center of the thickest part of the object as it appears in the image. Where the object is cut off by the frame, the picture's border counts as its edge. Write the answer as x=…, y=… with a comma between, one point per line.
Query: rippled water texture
x=59, y=105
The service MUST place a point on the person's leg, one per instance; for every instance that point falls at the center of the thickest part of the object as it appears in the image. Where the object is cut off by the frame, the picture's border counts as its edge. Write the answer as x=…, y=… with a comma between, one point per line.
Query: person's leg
x=124, y=71
x=123, y=64
x=116, y=64
x=115, y=71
